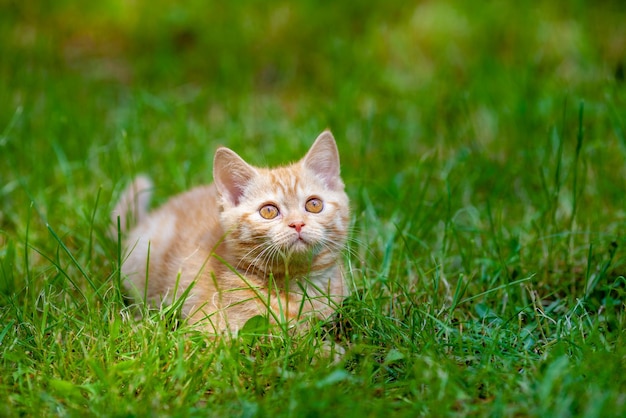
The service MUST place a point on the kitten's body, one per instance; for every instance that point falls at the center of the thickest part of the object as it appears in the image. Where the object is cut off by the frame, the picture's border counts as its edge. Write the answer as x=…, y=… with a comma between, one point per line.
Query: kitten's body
x=215, y=241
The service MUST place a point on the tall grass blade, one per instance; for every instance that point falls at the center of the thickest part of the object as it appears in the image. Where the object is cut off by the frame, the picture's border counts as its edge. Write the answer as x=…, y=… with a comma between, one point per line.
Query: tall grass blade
x=76, y=264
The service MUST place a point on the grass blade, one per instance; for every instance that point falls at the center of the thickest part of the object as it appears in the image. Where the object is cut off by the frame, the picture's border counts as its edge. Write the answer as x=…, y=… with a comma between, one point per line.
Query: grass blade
x=76, y=264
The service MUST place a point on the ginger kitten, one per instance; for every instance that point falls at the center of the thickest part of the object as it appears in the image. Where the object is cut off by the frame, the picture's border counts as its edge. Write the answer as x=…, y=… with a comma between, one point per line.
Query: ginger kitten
x=255, y=242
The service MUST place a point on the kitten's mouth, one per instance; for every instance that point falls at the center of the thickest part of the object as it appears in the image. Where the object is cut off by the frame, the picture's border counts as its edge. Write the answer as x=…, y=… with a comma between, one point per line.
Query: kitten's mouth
x=299, y=245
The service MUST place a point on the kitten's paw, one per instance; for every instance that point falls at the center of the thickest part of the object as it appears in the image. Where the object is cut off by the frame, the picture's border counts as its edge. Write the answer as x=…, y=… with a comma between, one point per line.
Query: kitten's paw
x=332, y=351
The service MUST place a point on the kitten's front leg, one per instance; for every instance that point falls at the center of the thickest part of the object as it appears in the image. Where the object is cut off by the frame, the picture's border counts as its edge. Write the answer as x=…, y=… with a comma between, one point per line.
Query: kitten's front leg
x=223, y=313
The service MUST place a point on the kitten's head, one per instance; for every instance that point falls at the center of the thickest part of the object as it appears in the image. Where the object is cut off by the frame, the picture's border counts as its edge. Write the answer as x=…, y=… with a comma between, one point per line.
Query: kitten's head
x=298, y=213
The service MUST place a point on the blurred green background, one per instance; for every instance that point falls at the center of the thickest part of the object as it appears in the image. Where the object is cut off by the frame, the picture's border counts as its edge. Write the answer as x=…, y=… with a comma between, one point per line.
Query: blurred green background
x=421, y=61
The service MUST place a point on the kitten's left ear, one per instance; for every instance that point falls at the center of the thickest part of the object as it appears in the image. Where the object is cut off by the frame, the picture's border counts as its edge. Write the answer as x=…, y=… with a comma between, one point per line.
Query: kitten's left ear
x=231, y=174
x=323, y=160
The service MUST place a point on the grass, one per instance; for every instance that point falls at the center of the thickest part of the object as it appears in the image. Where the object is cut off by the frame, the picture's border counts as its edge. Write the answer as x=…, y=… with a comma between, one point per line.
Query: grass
x=483, y=151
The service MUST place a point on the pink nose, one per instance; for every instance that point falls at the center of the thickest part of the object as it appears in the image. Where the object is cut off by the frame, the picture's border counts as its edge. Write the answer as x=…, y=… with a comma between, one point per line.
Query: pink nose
x=297, y=226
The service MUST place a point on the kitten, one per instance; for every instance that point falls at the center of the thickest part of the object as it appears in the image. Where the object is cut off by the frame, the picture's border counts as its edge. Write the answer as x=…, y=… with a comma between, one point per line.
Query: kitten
x=255, y=242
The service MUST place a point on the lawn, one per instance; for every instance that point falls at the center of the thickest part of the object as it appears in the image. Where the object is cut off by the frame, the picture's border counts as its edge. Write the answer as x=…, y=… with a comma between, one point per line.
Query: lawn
x=483, y=147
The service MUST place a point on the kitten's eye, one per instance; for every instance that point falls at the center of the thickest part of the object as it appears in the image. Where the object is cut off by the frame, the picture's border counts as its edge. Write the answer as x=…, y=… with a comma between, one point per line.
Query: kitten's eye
x=268, y=212
x=314, y=205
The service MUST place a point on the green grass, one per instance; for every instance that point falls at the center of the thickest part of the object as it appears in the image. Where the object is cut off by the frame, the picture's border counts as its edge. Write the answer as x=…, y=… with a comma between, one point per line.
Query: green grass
x=483, y=149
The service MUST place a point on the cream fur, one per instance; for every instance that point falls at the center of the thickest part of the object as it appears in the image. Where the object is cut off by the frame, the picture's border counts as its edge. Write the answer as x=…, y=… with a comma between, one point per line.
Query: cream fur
x=213, y=241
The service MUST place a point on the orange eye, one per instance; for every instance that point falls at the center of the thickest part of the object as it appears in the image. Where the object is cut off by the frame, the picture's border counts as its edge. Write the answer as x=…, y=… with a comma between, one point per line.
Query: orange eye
x=314, y=205
x=268, y=212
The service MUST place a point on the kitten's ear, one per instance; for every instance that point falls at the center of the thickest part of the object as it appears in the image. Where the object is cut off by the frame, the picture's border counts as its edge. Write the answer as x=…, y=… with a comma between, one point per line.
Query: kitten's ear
x=231, y=174
x=323, y=160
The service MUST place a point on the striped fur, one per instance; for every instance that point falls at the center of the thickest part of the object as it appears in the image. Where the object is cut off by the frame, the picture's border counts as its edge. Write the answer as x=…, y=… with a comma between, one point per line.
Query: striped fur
x=213, y=242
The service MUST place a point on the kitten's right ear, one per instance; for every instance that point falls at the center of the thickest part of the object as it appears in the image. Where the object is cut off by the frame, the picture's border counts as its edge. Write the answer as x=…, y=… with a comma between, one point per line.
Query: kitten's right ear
x=231, y=174
x=323, y=160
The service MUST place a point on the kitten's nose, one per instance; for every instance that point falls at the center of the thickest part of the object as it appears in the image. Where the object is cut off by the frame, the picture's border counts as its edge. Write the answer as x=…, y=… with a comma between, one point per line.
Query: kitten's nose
x=297, y=226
